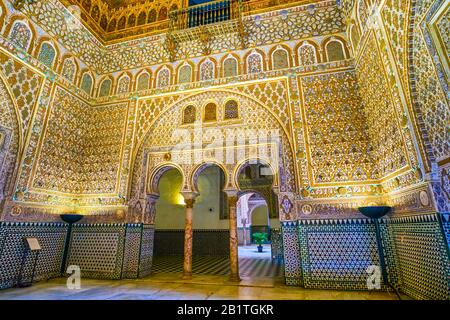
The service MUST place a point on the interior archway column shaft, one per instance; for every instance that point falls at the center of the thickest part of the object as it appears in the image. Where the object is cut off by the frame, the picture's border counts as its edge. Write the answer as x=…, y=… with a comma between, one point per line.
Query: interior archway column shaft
x=234, y=257
x=189, y=200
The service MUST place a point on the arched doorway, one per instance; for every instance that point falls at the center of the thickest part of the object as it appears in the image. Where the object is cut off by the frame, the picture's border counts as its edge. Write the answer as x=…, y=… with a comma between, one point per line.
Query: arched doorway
x=259, y=218
x=211, y=246
x=210, y=235
x=258, y=222
x=168, y=223
x=257, y=132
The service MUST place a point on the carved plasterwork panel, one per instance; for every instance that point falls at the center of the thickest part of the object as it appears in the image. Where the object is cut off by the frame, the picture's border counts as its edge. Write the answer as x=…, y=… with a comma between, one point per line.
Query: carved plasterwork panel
x=432, y=94
x=9, y=140
x=390, y=152
x=81, y=151
x=300, y=22
x=25, y=86
x=254, y=117
x=337, y=143
x=395, y=18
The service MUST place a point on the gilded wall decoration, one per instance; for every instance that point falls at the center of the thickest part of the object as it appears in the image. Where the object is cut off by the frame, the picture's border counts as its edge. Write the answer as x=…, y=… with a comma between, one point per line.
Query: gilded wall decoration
x=81, y=152
x=337, y=142
x=430, y=97
x=327, y=115
x=395, y=18
x=20, y=35
x=166, y=132
x=325, y=19
x=25, y=86
x=389, y=151
x=61, y=159
x=10, y=141
x=47, y=55
x=112, y=20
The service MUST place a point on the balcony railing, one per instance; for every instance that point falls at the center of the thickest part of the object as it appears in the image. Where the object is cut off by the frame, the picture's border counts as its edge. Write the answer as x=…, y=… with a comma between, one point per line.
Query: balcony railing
x=205, y=14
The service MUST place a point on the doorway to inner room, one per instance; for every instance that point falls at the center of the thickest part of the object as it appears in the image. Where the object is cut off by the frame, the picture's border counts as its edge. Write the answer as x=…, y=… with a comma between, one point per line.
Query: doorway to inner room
x=259, y=236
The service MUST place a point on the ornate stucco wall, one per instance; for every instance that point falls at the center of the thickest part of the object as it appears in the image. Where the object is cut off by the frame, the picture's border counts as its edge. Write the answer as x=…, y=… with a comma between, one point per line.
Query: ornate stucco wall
x=357, y=92
x=389, y=41
x=85, y=114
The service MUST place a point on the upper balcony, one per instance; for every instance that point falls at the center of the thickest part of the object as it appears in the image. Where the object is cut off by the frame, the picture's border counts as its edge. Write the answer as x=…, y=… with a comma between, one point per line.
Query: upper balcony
x=205, y=20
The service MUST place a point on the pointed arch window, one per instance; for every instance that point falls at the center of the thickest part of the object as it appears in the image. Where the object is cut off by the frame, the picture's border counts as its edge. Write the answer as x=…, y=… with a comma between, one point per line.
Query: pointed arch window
x=230, y=67
x=185, y=74
x=163, y=78
x=143, y=82
x=207, y=70
x=86, y=83
x=20, y=35
x=47, y=54
x=189, y=114
x=123, y=85
x=69, y=69
x=210, y=113
x=335, y=51
x=254, y=63
x=280, y=59
x=231, y=110
x=307, y=55
x=105, y=88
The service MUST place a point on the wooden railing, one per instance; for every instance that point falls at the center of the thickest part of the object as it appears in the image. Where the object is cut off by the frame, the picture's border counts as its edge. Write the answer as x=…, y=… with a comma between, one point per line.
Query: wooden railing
x=204, y=14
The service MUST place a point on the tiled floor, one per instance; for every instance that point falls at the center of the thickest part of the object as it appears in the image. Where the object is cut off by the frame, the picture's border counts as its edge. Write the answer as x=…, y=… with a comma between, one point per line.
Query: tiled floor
x=261, y=279
x=158, y=287
x=251, y=264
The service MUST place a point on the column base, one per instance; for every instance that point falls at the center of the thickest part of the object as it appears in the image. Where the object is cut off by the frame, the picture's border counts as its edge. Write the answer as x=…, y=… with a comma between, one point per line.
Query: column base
x=187, y=276
x=234, y=278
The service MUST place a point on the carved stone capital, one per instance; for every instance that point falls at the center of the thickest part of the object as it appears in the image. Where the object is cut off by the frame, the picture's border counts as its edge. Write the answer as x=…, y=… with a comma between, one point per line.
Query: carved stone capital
x=152, y=198
x=232, y=196
x=189, y=198
x=189, y=203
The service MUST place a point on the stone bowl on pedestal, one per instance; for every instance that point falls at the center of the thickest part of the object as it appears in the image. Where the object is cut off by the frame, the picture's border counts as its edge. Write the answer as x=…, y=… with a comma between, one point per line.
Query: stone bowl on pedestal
x=71, y=217
x=375, y=212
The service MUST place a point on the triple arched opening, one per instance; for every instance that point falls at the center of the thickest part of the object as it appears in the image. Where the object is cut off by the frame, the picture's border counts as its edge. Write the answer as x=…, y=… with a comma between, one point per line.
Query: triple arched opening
x=211, y=181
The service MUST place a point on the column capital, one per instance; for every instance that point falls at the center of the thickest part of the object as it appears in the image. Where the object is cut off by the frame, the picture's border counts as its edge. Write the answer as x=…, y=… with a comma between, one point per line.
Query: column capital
x=189, y=203
x=152, y=197
x=189, y=194
x=232, y=195
x=189, y=198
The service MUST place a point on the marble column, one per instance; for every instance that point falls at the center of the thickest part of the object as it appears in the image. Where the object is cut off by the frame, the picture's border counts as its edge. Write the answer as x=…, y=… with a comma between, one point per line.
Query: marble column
x=234, y=259
x=189, y=200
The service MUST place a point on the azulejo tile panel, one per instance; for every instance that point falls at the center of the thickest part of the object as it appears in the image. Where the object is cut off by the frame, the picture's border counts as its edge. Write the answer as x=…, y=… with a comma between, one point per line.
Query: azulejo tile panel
x=51, y=237
x=291, y=245
x=98, y=249
x=276, y=238
x=146, y=254
x=446, y=226
x=131, y=254
x=422, y=256
x=102, y=251
x=335, y=254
